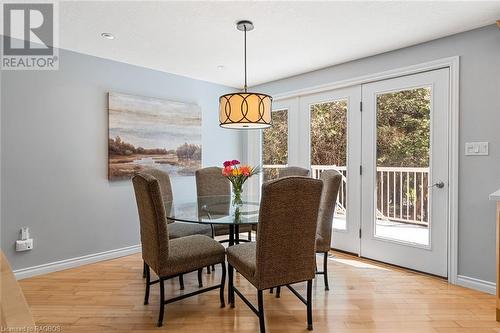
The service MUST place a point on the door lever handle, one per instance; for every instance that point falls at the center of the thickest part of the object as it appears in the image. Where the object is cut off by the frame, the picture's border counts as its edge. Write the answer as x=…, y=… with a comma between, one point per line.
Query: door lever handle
x=438, y=185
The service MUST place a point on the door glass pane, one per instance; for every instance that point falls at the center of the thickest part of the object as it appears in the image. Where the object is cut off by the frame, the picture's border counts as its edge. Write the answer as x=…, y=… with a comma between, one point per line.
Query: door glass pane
x=403, y=145
x=275, y=145
x=329, y=148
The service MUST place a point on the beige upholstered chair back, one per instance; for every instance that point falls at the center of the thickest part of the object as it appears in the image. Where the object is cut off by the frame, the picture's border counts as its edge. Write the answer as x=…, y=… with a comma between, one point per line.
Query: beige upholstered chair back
x=211, y=182
x=285, y=249
x=154, y=233
x=165, y=187
x=332, y=180
x=292, y=171
x=164, y=180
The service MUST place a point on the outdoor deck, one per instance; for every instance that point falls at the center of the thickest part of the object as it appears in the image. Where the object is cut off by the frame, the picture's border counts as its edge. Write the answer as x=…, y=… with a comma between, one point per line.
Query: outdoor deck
x=402, y=202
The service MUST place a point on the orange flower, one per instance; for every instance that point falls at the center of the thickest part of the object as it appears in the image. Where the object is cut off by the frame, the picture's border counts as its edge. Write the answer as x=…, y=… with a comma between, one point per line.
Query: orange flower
x=245, y=170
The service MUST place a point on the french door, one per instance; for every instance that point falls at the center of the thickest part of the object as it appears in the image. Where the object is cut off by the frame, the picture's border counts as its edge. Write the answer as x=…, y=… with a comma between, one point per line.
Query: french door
x=330, y=124
x=404, y=195
x=389, y=139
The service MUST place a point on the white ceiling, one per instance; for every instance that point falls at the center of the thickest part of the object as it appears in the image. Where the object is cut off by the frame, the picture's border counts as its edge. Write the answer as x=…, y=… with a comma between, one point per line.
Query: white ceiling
x=194, y=38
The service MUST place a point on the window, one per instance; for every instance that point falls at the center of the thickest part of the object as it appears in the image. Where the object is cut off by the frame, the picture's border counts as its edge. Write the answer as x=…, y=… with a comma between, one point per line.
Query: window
x=329, y=148
x=275, y=145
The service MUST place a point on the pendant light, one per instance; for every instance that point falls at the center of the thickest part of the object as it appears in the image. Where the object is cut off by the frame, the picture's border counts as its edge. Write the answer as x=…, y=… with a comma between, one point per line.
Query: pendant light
x=245, y=110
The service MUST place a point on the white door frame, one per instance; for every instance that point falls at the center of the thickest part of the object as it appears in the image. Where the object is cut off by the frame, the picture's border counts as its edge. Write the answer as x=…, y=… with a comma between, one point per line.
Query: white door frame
x=453, y=63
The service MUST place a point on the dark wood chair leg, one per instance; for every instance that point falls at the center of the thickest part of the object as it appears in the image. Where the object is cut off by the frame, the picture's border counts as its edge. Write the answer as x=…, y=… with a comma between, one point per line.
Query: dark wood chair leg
x=162, y=302
x=222, y=284
x=148, y=279
x=325, y=270
x=271, y=291
x=309, y=306
x=230, y=285
x=208, y=269
x=278, y=292
x=213, y=268
x=181, y=281
x=144, y=265
x=250, y=236
x=260, y=302
x=200, y=282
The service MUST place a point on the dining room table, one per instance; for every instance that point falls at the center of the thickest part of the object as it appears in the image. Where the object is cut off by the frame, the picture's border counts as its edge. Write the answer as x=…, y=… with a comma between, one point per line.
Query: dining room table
x=216, y=210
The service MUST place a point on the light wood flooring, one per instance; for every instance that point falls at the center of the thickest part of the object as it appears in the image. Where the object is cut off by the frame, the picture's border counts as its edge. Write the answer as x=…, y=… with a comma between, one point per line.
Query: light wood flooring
x=364, y=297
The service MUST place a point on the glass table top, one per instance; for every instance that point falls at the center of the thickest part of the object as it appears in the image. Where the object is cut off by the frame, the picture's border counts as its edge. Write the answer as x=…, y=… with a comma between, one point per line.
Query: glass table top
x=214, y=210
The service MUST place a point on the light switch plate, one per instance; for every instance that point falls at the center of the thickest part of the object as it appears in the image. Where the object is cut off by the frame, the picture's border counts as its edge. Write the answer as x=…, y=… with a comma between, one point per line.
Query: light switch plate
x=476, y=148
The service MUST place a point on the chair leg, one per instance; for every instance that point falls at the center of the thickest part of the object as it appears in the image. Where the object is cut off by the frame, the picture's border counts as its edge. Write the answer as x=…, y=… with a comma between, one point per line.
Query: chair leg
x=230, y=285
x=250, y=236
x=181, y=281
x=144, y=265
x=325, y=270
x=278, y=292
x=162, y=302
x=208, y=269
x=271, y=291
x=222, y=284
x=213, y=268
x=200, y=282
x=148, y=279
x=309, y=306
x=260, y=302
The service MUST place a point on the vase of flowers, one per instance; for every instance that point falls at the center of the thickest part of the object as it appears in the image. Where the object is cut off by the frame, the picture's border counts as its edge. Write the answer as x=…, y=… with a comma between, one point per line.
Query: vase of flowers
x=238, y=175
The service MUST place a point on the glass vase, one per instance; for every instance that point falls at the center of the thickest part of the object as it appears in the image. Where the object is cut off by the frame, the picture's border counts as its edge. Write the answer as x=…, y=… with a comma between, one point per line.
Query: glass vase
x=237, y=191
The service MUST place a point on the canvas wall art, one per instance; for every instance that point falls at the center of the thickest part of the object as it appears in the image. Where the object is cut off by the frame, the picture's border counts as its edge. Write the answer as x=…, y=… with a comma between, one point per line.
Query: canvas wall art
x=149, y=132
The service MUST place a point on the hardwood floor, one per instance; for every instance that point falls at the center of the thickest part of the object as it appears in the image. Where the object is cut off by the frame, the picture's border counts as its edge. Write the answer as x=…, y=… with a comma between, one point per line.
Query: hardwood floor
x=364, y=297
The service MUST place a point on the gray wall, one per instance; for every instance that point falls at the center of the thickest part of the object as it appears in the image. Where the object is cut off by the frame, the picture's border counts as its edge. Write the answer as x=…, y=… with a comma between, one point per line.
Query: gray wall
x=54, y=155
x=479, y=52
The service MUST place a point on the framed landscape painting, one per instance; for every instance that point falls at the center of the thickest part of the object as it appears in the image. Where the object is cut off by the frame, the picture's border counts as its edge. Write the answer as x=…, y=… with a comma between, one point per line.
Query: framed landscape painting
x=149, y=133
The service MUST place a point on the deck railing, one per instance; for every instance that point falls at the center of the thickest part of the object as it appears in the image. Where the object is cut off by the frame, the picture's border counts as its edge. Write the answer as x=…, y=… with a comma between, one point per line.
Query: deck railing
x=402, y=192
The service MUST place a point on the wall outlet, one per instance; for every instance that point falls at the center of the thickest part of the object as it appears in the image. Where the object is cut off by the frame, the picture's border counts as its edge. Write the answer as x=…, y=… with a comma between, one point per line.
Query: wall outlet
x=24, y=245
x=476, y=148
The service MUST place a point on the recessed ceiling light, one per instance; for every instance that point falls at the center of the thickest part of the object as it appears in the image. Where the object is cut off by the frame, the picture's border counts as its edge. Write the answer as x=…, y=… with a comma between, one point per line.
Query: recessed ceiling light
x=220, y=67
x=107, y=35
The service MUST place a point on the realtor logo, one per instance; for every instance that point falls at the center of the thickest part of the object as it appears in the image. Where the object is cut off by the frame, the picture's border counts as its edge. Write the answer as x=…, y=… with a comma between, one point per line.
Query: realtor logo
x=29, y=36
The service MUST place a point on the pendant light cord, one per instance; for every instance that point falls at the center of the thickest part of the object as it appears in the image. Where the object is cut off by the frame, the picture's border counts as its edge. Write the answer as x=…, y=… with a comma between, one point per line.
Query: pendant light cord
x=245, y=41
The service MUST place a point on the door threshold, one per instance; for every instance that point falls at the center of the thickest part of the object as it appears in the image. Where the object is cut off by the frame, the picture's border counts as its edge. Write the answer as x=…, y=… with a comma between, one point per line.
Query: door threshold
x=388, y=264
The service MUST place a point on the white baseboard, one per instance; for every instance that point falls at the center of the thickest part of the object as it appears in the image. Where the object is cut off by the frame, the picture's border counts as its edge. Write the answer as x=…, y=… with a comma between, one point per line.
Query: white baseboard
x=27, y=272
x=477, y=284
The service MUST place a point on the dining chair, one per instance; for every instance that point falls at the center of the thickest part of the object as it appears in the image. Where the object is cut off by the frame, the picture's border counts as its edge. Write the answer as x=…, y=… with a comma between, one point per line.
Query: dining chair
x=293, y=171
x=169, y=258
x=284, y=252
x=175, y=229
x=332, y=180
x=209, y=183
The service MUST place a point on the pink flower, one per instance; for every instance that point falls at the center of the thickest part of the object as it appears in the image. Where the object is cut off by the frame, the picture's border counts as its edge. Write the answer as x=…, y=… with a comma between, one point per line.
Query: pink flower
x=227, y=171
x=227, y=163
x=235, y=162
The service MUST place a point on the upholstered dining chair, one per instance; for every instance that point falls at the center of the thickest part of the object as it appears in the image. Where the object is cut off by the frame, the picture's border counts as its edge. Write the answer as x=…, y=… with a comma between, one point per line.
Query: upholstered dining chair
x=211, y=182
x=169, y=258
x=287, y=172
x=284, y=252
x=292, y=171
x=332, y=181
x=175, y=229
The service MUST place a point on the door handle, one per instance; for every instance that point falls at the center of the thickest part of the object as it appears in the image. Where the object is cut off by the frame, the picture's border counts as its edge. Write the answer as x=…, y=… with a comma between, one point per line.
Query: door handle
x=439, y=184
